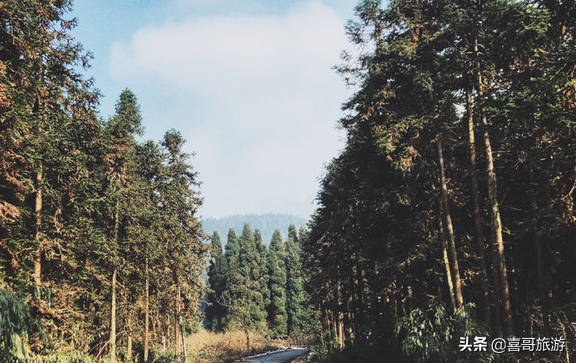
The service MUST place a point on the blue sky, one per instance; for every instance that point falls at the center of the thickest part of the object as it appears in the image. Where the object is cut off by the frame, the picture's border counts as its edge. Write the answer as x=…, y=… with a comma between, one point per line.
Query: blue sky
x=248, y=83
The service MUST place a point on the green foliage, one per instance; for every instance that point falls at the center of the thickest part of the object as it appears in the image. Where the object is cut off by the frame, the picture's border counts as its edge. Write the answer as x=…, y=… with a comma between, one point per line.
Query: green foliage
x=168, y=357
x=216, y=312
x=17, y=326
x=244, y=294
x=263, y=286
x=434, y=337
x=277, y=315
x=261, y=258
x=294, y=282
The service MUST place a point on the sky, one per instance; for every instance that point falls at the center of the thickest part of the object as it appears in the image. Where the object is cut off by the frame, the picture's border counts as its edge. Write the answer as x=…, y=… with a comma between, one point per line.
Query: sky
x=250, y=85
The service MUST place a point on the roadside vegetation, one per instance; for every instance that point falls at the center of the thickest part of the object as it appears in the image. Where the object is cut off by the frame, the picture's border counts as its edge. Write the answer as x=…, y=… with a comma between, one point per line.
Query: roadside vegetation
x=207, y=347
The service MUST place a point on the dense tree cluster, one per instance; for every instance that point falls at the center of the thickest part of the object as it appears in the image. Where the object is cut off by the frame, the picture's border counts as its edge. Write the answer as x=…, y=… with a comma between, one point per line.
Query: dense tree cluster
x=456, y=184
x=255, y=287
x=100, y=248
x=266, y=223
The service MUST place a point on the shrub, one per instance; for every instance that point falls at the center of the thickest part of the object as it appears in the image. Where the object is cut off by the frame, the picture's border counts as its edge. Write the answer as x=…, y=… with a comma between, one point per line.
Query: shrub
x=16, y=327
x=435, y=337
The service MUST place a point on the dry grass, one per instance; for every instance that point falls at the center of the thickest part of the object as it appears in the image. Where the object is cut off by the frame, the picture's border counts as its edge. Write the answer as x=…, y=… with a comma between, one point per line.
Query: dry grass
x=208, y=347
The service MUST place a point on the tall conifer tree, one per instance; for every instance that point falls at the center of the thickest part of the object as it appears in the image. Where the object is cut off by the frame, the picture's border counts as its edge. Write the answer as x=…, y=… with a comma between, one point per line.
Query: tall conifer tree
x=216, y=311
x=277, y=315
x=294, y=283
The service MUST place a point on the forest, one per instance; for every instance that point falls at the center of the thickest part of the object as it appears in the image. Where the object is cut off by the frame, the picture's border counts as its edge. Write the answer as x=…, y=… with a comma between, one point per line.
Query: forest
x=451, y=209
x=266, y=223
x=448, y=215
x=255, y=287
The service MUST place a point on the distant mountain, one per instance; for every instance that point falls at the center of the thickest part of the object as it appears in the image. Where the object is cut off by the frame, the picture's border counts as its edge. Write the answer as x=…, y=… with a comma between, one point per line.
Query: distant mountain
x=266, y=223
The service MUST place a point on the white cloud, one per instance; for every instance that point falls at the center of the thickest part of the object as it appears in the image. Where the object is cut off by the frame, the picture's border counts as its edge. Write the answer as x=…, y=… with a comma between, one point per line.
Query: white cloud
x=267, y=101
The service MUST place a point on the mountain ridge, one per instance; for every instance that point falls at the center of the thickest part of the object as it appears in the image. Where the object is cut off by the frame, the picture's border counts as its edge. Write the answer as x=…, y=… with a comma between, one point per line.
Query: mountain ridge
x=266, y=223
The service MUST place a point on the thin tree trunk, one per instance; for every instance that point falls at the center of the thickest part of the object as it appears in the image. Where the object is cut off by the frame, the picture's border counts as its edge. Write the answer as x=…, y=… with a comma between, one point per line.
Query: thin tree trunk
x=341, y=330
x=340, y=320
x=450, y=231
x=113, y=319
x=247, y=334
x=328, y=315
x=355, y=321
x=167, y=325
x=129, y=348
x=361, y=298
x=37, y=235
x=184, y=342
x=147, y=314
x=497, y=296
x=495, y=214
x=478, y=235
x=331, y=320
x=177, y=324
x=442, y=237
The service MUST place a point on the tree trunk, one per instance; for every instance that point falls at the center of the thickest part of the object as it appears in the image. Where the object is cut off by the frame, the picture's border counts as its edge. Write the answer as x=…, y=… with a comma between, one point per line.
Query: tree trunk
x=341, y=330
x=247, y=333
x=147, y=314
x=354, y=326
x=450, y=231
x=129, y=348
x=476, y=213
x=495, y=214
x=334, y=325
x=185, y=351
x=113, y=319
x=177, y=324
x=37, y=235
x=340, y=318
x=361, y=298
x=497, y=296
x=443, y=239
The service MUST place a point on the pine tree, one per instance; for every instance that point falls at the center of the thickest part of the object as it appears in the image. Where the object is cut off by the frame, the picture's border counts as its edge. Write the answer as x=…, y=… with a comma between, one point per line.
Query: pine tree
x=232, y=249
x=293, y=234
x=294, y=283
x=147, y=228
x=215, y=312
x=183, y=250
x=262, y=271
x=244, y=298
x=277, y=315
x=255, y=275
x=120, y=162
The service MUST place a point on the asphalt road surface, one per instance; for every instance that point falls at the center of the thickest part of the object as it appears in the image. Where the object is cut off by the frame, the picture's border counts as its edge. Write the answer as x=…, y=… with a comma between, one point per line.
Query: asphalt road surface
x=277, y=357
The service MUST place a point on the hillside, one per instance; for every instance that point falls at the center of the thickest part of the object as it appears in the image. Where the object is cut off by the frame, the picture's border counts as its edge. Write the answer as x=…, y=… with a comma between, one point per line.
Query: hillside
x=266, y=223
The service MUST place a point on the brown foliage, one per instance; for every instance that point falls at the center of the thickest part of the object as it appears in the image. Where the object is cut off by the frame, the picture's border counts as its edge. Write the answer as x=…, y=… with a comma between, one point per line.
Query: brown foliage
x=228, y=346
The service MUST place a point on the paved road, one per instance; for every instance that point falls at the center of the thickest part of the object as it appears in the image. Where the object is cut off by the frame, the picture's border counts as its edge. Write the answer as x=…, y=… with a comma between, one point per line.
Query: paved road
x=278, y=357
